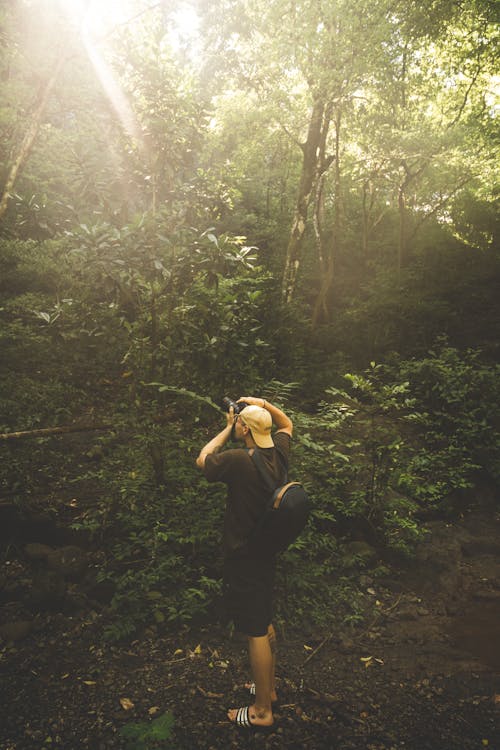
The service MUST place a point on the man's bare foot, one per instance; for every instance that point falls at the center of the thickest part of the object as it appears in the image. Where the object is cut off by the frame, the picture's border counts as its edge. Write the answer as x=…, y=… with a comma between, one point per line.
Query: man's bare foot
x=250, y=686
x=256, y=718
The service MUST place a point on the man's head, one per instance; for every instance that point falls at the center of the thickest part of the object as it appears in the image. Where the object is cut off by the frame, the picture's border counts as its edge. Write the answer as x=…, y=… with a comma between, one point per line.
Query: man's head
x=259, y=423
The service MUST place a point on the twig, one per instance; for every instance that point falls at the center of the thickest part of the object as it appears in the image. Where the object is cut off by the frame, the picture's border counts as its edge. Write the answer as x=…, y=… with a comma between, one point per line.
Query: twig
x=393, y=606
x=176, y=661
x=208, y=693
x=325, y=640
x=378, y=614
x=325, y=697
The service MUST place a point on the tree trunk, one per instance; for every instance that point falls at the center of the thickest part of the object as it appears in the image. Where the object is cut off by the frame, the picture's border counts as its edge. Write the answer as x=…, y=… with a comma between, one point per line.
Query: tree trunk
x=30, y=135
x=328, y=270
x=317, y=125
x=402, y=227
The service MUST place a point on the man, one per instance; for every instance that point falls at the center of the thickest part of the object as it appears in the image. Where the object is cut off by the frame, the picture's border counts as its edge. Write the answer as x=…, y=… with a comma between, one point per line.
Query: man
x=249, y=574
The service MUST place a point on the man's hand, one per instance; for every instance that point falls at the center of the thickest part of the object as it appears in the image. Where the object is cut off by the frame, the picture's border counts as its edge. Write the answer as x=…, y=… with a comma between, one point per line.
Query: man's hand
x=218, y=441
x=253, y=401
x=230, y=417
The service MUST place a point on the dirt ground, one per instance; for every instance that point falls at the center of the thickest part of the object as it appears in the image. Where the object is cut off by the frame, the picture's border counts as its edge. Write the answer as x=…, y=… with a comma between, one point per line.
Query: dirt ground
x=421, y=673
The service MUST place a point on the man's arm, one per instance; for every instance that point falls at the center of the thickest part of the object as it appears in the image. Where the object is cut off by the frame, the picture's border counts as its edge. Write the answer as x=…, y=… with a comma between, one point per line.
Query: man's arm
x=215, y=444
x=280, y=419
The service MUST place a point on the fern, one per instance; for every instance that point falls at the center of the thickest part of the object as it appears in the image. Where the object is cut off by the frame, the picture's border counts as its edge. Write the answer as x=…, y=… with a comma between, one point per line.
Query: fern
x=145, y=735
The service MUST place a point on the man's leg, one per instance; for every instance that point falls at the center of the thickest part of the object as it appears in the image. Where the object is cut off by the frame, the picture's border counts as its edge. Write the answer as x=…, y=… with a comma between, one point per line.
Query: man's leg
x=271, y=634
x=261, y=663
x=254, y=609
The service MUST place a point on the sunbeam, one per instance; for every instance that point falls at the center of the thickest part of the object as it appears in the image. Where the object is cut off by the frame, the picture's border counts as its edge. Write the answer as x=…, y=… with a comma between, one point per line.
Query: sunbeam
x=112, y=89
x=96, y=21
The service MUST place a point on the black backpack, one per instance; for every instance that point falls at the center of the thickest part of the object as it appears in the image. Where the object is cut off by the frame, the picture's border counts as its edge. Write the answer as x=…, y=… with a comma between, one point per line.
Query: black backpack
x=286, y=513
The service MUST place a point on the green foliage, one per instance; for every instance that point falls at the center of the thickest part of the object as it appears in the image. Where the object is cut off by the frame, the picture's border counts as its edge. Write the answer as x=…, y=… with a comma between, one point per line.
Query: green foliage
x=162, y=532
x=459, y=397
x=129, y=293
x=146, y=735
x=113, y=306
x=396, y=443
x=402, y=440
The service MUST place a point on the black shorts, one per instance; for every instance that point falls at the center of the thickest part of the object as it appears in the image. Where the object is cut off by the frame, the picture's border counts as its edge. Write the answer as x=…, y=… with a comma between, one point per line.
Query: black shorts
x=248, y=593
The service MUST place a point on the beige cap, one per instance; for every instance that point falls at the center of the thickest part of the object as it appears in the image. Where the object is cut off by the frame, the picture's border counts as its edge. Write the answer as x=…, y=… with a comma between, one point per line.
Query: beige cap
x=260, y=423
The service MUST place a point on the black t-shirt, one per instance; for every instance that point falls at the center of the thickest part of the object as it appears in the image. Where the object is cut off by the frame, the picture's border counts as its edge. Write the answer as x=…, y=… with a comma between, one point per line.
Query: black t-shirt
x=247, y=494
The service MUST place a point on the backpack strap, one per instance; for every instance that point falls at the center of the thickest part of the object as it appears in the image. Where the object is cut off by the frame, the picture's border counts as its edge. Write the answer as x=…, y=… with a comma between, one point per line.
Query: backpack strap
x=266, y=477
x=278, y=495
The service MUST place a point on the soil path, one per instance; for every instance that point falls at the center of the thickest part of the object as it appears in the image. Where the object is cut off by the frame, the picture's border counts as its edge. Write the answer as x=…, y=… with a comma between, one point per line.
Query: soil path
x=422, y=673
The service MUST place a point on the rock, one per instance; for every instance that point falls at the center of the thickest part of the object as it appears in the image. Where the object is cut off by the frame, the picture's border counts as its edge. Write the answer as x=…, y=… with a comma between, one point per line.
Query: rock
x=16, y=631
x=36, y=551
x=480, y=547
x=70, y=562
x=406, y=613
x=49, y=589
x=486, y=595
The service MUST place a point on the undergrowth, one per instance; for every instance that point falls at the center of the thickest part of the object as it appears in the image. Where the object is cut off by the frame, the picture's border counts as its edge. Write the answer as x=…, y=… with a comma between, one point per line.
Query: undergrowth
x=392, y=444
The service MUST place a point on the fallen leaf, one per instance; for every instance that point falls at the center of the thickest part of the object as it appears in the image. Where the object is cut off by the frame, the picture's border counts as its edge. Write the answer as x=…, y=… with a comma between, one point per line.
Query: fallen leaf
x=153, y=710
x=485, y=743
x=198, y=649
x=363, y=715
x=496, y=698
x=65, y=676
x=126, y=704
x=89, y=682
x=371, y=591
x=178, y=651
x=366, y=658
x=308, y=648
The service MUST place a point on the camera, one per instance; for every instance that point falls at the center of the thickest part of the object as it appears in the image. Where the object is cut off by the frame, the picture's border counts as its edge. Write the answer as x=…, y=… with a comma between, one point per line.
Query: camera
x=227, y=403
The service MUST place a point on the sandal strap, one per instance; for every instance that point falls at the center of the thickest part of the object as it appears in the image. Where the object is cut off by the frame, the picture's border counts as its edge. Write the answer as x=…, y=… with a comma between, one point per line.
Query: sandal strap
x=242, y=718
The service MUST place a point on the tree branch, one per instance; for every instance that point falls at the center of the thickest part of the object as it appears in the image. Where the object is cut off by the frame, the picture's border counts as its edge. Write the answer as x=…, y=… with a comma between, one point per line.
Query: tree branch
x=49, y=431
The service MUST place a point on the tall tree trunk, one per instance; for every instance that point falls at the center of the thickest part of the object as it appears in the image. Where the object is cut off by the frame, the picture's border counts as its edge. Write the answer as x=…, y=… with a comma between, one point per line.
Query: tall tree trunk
x=154, y=333
x=408, y=177
x=328, y=271
x=317, y=124
x=402, y=227
x=30, y=135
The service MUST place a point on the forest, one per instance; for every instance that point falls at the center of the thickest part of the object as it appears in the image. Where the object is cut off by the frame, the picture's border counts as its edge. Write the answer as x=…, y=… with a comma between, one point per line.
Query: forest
x=295, y=199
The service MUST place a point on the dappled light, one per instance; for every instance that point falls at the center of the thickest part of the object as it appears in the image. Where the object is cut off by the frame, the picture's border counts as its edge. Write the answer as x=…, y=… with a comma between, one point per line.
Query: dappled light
x=296, y=201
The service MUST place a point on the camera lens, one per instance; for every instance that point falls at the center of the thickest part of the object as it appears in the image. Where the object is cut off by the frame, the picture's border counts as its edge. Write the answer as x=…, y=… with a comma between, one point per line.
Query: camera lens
x=227, y=403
